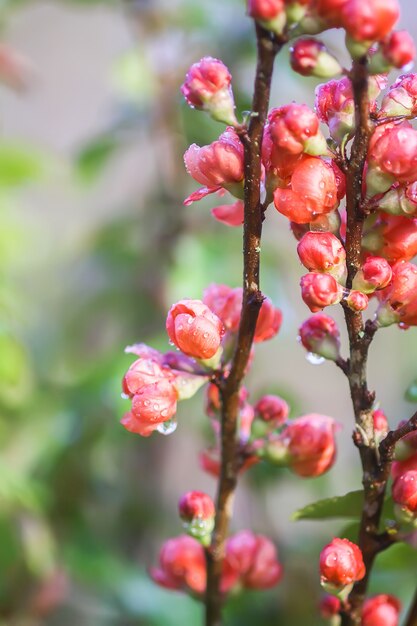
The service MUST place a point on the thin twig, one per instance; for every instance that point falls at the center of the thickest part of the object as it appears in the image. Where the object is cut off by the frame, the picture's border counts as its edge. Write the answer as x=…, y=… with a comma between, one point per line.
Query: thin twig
x=387, y=445
x=267, y=48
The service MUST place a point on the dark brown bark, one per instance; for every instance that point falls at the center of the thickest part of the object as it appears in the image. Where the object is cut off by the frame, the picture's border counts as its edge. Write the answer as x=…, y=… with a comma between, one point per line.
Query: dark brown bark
x=267, y=48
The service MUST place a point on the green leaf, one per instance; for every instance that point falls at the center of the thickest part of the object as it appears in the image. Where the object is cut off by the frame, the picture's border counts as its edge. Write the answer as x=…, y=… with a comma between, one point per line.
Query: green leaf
x=349, y=505
x=19, y=165
x=95, y=155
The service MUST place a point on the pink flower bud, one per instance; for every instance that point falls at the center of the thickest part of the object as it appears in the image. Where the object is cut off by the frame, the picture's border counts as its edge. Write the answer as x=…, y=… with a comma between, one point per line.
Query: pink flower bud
x=320, y=290
x=401, y=467
x=399, y=49
x=369, y=20
x=329, y=606
x=230, y=214
x=217, y=165
x=398, y=301
x=207, y=87
x=196, y=504
x=182, y=565
x=313, y=192
x=381, y=610
x=272, y=409
x=321, y=252
x=265, y=9
x=141, y=373
x=392, y=156
x=375, y=274
x=310, y=444
x=357, y=301
x=401, y=98
x=320, y=335
x=404, y=490
x=194, y=329
x=226, y=303
x=269, y=322
x=294, y=128
x=341, y=564
x=335, y=106
x=254, y=559
x=381, y=425
x=151, y=405
x=310, y=57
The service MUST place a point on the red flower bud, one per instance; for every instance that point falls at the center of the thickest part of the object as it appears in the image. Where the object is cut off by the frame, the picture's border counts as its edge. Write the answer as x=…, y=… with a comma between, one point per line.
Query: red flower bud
x=329, y=606
x=313, y=192
x=404, y=490
x=294, y=128
x=357, y=301
x=272, y=409
x=207, y=87
x=321, y=252
x=369, y=20
x=310, y=57
x=141, y=373
x=398, y=302
x=196, y=504
x=375, y=274
x=230, y=214
x=341, y=564
x=254, y=559
x=320, y=335
x=320, y=290
x=401, y=467
x=226, y=303
x=381, y=610
x=182, y=565
x=310, y=444
x=194, y=329
x=220, y=164
x=401, y=98
x=269, y=322
x=392, y=156
x=151, y=406
x=265, y=10
x=399, y=49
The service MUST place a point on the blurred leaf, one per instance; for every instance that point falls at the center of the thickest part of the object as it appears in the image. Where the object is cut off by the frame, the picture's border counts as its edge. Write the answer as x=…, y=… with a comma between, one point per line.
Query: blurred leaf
x=18, y=492
x=95, y=155
x=349, y=505
x=411, y=393
x=19, y=165
x=15, y=371
x=38, y=545
x=133, y=77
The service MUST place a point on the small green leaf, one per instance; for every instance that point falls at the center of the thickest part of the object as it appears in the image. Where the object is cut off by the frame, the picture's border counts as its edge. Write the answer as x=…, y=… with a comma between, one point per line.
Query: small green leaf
x=349, y=505
x=19, y=165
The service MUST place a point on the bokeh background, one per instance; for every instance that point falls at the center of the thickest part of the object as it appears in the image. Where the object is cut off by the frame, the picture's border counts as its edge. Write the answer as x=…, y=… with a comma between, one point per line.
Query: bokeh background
x=95, y=245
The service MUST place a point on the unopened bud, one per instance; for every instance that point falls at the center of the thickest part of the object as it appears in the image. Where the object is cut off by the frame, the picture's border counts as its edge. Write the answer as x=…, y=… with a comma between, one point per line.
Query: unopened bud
x=310, y=57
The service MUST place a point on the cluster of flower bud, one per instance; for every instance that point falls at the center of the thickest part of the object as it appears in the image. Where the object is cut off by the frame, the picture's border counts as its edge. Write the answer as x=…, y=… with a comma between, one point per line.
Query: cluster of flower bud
x=205, y=333
x=251, y=562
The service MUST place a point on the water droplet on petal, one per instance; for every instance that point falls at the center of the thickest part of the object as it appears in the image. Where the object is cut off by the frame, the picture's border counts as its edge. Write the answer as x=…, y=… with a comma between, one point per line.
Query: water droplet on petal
x=314, y=359
x=168, y=427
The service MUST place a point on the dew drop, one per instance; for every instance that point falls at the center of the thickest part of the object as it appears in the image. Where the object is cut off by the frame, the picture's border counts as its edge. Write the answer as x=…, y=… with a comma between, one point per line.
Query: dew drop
x=146, y=403
x=205, y=335
x=155, y=407
x=124, y=396
x=314, y=359
x=168, y=427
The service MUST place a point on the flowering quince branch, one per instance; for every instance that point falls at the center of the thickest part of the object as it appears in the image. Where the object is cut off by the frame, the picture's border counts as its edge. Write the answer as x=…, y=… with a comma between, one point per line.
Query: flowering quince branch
x=282, y=157
x=267, y=47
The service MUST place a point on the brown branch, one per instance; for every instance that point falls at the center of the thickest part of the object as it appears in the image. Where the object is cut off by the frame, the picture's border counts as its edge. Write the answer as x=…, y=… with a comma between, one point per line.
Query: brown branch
x=387, y=445
x=411, y=619
x=360, y=338
x=267, y=48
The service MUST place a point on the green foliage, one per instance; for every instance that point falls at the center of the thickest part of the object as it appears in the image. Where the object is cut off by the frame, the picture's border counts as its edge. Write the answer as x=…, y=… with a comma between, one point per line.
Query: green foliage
x=349, y=505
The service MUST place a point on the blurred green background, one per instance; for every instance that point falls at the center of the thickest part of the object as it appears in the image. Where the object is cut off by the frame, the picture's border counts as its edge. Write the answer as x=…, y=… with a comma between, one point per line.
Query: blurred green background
x=94, y=247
